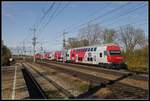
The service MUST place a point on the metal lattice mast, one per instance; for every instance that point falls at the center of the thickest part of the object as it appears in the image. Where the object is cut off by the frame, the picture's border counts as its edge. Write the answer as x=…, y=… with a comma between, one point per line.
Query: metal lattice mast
x=64, y=46
x=34, y=43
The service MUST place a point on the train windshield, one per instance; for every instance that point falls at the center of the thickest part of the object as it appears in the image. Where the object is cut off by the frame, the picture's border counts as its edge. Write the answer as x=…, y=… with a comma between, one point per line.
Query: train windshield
x=115, y=52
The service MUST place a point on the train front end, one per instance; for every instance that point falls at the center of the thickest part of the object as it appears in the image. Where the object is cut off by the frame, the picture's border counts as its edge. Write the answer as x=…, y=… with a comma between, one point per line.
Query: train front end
x=114, y=57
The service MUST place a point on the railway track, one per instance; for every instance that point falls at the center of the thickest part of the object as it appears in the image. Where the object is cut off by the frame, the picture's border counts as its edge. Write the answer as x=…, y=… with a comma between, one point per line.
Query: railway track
x=133, y=75
x=99, y=82
x=35, y=90
x=92, y=79
x=142, y=75
x=60, y=89
x=130, y=78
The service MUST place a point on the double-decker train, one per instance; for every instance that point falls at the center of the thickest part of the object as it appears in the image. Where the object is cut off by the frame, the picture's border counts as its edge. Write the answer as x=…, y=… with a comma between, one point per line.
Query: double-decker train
x=106, y=55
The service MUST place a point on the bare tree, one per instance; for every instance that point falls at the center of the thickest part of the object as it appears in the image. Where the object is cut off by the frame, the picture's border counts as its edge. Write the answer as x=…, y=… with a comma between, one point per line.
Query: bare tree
x=131, y=37
x=93, y=33
x=72, y=43
x=109, y=35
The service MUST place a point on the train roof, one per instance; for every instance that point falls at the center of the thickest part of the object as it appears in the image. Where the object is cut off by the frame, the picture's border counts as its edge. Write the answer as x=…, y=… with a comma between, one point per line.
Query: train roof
x=96, y=45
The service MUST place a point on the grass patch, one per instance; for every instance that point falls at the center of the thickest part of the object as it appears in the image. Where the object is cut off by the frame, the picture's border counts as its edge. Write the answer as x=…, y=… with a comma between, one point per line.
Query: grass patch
x=83, y=87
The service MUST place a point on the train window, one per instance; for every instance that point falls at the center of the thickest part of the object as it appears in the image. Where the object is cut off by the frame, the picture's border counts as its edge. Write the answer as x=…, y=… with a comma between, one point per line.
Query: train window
x=80, y=58
x=115, y=52
x=88, y=49
x=91, y=59
x=105, y=52
x=88, y=59
x=95, y=49
x=67, y=55
x=100, y=54
x=91, y=49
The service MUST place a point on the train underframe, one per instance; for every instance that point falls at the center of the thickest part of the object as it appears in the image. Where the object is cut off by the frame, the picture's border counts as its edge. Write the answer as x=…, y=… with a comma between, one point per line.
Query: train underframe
x=103, y=65
x=113, y=65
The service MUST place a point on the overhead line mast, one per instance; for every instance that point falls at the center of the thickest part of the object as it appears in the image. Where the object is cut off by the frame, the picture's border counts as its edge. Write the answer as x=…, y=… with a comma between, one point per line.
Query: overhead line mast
x=34, y=43
x=64, y=40
x=64, y=47
x=24, y=50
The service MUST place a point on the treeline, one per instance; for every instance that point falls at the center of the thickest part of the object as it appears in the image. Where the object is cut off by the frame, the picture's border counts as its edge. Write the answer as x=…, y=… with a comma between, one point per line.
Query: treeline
x=5, y=54
x=132, y=40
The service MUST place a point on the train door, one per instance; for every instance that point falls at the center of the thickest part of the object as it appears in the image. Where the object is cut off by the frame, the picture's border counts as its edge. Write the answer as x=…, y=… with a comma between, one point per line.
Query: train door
x=64, y=55
x=68, y=55
x=105, y=56
x=76, y=58
x=94, y=59
x=101, y=56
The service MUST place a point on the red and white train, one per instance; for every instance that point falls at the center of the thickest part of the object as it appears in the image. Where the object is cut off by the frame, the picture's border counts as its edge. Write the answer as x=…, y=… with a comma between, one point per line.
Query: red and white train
x=107, y=55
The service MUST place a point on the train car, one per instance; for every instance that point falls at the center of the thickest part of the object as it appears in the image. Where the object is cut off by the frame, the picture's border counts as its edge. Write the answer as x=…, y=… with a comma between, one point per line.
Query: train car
x=52, y=55
x=38, y=56
x=108, y=55
x=58, y=56
x=46, y=55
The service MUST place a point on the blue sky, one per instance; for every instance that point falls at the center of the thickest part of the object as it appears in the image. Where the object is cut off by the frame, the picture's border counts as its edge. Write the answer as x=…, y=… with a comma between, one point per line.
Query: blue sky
x=19, y=17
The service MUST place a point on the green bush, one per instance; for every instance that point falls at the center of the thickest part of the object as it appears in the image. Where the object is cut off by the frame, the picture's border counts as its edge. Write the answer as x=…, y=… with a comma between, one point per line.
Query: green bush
x=5, y=55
